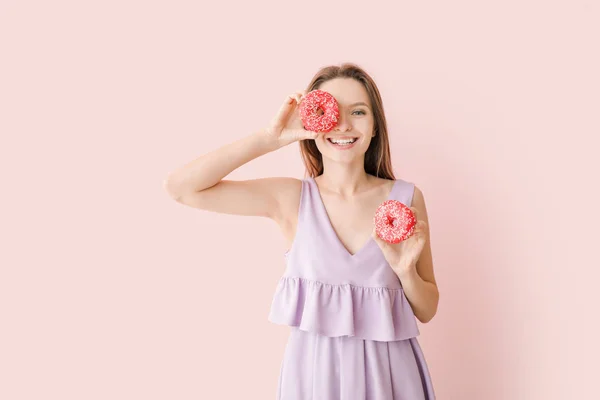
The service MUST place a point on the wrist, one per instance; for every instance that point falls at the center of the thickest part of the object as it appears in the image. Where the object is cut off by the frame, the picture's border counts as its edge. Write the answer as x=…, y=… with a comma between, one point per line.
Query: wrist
x=405, y=272
x=267, y=141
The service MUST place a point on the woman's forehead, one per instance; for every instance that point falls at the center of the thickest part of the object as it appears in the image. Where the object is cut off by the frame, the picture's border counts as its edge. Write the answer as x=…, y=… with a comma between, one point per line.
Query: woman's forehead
x=347, y=92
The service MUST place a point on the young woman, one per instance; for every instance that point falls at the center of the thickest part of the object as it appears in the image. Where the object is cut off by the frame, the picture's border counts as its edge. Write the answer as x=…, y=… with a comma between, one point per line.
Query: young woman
x=351, y=299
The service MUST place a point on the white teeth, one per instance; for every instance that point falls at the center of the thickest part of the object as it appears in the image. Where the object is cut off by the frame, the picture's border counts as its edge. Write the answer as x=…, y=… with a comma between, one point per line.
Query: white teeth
x=342, y=141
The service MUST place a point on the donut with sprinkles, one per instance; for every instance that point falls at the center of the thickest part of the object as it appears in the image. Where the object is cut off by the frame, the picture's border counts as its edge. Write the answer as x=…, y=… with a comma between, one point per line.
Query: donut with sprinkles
x=394, y=221
x=319, y=111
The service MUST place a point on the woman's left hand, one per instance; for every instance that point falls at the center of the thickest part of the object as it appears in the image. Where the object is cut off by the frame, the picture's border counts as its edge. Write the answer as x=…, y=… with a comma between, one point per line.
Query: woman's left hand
x=403, y=256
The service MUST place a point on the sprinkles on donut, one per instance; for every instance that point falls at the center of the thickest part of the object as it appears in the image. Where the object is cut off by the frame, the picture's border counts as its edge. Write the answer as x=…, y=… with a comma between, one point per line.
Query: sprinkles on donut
x=319, y=111
x=394, y=221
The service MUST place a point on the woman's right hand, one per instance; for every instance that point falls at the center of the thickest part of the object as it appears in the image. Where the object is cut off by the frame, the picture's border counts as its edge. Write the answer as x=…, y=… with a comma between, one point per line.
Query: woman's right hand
x=287, y=125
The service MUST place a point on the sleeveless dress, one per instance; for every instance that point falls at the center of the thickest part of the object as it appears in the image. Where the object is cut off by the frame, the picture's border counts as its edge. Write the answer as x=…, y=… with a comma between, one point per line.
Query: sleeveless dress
x=353, y=333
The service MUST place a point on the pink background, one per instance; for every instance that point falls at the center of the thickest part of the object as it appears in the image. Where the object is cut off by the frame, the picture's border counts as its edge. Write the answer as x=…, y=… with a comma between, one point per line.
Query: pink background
x=109, y=289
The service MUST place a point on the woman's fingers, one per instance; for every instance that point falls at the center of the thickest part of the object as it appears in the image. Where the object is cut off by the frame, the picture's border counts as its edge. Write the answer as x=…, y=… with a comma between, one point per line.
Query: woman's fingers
x=293, y=128
x=284, y=110
x=420, y=227
x=415, y=212
x=294, y=97
x=297, y=95
x=374, y=234
x=313, y=134
x=301, y=94
x=379, y=240
x=304, y=134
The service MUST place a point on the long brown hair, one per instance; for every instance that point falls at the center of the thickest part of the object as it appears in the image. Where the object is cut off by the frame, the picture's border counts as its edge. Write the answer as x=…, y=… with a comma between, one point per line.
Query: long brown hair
x=377, y=158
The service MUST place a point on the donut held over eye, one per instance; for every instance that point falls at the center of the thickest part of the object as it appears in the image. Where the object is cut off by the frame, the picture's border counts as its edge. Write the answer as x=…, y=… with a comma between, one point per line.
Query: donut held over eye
x=394, y=221
x=319, y=111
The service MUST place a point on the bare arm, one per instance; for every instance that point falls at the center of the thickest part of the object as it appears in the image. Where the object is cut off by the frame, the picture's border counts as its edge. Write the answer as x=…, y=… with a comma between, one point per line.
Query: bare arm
x=200, y=183
x=208, y=170
x=419, y=283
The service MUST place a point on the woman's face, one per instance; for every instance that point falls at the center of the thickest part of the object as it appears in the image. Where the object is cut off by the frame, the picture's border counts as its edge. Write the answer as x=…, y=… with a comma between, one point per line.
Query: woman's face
x=356, y=121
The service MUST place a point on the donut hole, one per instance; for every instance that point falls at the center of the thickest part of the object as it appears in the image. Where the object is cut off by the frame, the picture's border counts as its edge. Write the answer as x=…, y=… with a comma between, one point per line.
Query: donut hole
x=320, y=111
x=391, y=221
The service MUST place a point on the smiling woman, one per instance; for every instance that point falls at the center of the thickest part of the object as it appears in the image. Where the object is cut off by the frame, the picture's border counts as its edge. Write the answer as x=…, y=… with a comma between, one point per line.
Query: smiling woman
x=361, y=110
x=352, y=301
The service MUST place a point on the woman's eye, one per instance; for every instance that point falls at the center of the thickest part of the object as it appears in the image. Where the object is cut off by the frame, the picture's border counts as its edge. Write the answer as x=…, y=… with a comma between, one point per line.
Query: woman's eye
x=359, y=111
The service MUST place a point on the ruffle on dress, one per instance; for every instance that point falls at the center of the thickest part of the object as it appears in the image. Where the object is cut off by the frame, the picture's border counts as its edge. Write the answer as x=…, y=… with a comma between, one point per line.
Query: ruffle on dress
x=370, y=313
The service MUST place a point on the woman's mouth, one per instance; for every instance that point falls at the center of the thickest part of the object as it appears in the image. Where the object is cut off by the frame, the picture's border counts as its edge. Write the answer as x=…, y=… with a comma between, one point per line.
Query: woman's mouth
x=342, y=144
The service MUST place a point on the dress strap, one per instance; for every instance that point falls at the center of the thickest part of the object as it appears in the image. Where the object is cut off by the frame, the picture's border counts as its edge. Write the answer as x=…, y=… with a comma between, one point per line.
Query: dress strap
x=304, y=211
x=403, y=191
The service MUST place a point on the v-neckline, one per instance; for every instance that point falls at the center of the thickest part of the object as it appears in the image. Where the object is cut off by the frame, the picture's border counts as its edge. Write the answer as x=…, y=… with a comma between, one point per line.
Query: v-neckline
x=332, y=230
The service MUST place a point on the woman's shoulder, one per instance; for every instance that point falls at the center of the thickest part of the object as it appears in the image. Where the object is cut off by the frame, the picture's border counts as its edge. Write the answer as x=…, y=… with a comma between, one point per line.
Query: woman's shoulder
x=403, y=181
x=403, y=187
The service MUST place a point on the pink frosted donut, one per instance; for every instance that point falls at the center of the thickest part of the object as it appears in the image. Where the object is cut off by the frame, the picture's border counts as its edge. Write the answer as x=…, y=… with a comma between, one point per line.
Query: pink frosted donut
x=309, y=111
x=394, y=221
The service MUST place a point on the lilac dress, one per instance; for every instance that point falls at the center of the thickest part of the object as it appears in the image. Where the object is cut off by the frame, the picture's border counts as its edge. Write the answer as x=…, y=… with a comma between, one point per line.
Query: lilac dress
x=353, y=333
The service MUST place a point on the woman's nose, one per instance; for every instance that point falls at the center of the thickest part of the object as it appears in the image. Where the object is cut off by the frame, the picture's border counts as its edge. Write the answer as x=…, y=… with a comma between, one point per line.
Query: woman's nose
x=343, y=123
